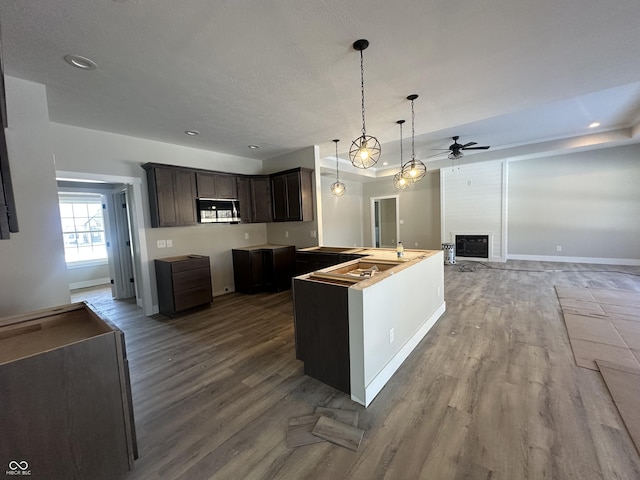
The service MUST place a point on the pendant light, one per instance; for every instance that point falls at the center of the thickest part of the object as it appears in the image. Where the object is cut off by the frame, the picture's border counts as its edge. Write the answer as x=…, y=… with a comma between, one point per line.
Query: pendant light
x=414, y=170
x=365, y=150
x=338, y=188
x=398, y=180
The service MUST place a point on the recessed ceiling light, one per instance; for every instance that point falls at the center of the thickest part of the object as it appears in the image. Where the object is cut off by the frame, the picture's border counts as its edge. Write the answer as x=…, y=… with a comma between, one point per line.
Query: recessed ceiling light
x=192, y=133
x=594, y=124
x=253, y=147
x=80, y=62
x=385, y=163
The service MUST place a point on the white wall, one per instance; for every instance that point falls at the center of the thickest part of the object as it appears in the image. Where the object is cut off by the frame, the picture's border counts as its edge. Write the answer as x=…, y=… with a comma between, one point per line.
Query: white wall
x=34, y=272
x=588, y=203
x=419, y=211
x=342, y=216
x=88, y=276
x=474, y=203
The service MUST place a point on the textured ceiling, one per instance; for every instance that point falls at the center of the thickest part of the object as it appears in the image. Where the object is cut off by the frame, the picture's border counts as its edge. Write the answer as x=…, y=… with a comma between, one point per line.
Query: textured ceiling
x=283, y=74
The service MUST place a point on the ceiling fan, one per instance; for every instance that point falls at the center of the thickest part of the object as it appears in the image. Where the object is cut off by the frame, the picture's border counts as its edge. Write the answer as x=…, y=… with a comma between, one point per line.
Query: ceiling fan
x=456, y=148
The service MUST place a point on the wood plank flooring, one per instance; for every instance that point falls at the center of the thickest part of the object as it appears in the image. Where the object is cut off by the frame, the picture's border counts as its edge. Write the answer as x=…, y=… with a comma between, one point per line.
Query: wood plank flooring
x=492, y=392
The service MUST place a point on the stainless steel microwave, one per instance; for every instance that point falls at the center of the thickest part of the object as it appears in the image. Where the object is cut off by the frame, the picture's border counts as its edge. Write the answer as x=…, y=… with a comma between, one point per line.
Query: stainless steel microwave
x=212, y=210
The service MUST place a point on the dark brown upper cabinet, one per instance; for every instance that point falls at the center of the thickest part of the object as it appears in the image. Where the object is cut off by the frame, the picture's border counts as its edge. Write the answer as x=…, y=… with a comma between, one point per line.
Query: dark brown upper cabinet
x=254, y=195
x=172, y=196
x=216, y=185
x=292, y=195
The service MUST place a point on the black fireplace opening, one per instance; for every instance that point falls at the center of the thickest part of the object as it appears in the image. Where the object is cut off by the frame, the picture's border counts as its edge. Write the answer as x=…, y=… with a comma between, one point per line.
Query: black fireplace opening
x=472, y=246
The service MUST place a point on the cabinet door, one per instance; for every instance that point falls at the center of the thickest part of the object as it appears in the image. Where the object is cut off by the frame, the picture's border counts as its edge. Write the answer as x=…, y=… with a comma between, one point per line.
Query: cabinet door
x=294, y=200
x=167, y=214
x=185, y=197
x=261, y=199
x=206, y=185
x=244, y=198
x=226, y=186
x=292, y=196
x=172, y=196
x=214, y=185
x=280, y=198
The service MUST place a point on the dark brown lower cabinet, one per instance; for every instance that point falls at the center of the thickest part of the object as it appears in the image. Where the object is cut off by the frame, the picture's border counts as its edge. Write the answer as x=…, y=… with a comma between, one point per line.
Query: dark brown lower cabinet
x=321, y=321
x=183, y=282
x=263, y=267
x=65, y=397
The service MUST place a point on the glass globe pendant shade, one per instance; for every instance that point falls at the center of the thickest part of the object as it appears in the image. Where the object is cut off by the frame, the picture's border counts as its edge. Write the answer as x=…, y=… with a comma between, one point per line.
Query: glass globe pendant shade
x=364, y=151
x=455, y=155
x=338, y=188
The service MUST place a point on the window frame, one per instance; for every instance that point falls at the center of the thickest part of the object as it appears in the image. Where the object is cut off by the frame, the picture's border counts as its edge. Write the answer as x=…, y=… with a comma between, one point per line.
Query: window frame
x=84, y=198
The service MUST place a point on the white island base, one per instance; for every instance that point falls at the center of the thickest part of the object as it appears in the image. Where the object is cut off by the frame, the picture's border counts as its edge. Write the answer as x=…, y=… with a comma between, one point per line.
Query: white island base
x=387, y=316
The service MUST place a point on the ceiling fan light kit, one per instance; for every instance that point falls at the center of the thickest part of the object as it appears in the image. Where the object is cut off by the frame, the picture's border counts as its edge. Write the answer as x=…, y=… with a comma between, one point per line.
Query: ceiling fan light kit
x=455, y=149
x=414, y=170
x=365, y=150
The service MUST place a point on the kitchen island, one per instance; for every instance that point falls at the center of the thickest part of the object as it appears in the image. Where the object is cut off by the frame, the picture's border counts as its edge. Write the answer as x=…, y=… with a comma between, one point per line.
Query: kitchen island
x=356, y=322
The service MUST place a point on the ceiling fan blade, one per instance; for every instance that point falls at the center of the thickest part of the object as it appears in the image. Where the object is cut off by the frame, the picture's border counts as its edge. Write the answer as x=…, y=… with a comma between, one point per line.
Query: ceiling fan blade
x=443, y=149
x=435, y=155
x=476, y=148
x=469, y=144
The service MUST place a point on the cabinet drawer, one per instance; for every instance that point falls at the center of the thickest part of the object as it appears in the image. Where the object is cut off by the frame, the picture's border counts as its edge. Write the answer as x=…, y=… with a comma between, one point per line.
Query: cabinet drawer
x=190, y=264
x=192, y=298
x=191, y=279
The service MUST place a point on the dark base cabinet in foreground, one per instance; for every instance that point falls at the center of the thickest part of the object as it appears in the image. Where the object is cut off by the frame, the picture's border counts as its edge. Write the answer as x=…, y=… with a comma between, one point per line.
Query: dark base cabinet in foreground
x=263, y=267
x=184, y=282
x=65, y=397
x=321, y=321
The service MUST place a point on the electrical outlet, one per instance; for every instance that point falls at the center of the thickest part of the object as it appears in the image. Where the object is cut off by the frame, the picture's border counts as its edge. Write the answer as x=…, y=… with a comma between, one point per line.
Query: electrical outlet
x=246, y=236
x=416, y=244
x=392, y=335
x=169, y=243
x=438, y=292
x=162, y=243
x=286, y=234
x=313, y=234
x=558, y=248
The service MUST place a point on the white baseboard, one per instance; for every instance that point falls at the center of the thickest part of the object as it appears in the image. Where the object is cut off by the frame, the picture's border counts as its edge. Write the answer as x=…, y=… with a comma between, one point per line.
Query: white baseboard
x=390, y=368
x=89, y=283
x=595, y=260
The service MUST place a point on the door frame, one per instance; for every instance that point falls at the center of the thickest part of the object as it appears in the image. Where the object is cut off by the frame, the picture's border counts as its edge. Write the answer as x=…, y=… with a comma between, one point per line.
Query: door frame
x=142, y=272
x=373, y=216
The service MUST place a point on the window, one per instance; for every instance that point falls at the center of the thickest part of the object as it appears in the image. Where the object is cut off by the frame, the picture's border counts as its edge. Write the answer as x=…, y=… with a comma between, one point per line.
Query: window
x=82, y=227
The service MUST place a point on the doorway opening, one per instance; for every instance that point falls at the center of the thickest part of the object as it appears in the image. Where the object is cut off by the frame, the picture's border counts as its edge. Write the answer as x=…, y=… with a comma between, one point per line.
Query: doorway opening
x=385, y=221
x=96, y=233
x=130, y=257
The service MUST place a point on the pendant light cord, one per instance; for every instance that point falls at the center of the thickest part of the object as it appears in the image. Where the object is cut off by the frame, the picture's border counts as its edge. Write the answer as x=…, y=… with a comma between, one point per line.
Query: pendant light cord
x=401, y=146
x=413, y=133
x=337, y=171
x=364, y=131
